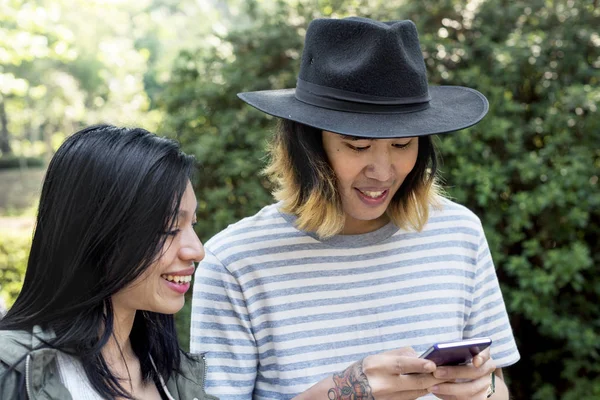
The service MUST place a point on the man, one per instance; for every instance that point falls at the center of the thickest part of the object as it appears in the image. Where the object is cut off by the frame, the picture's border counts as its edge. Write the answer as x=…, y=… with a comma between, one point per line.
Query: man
x=362, y=264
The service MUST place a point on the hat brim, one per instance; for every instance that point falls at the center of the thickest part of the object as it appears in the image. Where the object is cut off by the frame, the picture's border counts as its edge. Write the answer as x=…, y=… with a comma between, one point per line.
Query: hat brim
x=451, y=108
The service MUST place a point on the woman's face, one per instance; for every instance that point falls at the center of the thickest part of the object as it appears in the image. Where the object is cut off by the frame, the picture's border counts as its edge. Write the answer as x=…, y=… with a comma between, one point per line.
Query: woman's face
x=369, y=172
x=162, y=286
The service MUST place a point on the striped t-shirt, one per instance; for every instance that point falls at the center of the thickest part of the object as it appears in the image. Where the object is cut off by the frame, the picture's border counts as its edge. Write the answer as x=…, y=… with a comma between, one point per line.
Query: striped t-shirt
x=276, y=309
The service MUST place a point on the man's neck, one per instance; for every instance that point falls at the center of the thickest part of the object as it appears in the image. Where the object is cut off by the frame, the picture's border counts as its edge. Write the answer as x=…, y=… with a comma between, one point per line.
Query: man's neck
x=354, y=226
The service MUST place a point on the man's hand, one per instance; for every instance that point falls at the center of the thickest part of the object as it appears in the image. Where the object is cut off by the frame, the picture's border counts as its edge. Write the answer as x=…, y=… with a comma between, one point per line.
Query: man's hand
x=397, y=374
x=466, y=382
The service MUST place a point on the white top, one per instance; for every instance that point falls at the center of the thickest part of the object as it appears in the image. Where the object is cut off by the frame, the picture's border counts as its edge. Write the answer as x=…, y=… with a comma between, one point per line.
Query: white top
x=73, y=376
x=276, y=309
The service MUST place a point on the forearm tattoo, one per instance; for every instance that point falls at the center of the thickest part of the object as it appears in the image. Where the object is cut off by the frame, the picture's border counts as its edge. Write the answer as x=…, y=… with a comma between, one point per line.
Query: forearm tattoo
x=351, y=384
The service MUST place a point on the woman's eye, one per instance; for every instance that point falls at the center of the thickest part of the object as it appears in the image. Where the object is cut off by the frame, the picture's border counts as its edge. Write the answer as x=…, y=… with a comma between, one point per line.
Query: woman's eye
x=173, y=232
x=194, y=223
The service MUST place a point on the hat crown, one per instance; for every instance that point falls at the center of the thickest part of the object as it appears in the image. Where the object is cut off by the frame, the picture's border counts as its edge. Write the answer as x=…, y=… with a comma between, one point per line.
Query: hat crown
x=359, y=55
x=366, y=78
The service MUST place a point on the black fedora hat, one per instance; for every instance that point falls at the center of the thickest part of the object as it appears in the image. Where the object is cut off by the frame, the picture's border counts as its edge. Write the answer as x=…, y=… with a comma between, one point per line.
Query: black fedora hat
x=366, y=78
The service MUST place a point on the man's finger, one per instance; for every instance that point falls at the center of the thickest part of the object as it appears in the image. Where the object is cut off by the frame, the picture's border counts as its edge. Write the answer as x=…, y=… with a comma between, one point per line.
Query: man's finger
x=390, y=365
x=482, y=358
x=408, y=395
x=404, y=351
x=469, y=372
x=401, y=365
x=464, y=390
x=393, y=374
x=417, y=381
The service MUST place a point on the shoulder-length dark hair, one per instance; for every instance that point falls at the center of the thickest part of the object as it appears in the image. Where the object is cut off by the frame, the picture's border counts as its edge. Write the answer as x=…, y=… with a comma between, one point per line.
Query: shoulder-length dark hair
x=108, y=197
x=307, y=185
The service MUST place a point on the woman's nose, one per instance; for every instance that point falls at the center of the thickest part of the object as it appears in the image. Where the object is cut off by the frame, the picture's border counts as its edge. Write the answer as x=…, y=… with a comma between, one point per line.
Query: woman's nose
x=192, y=248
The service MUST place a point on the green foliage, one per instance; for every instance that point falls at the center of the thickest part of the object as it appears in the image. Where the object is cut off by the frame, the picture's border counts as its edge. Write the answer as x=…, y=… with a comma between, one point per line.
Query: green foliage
x=211, y=122
x=14, y=251
x=529, y=170
x=228, y=137
x=11, y=162
x=19, y=197
x=182, y=323
x=65, y=64
x=531, y=173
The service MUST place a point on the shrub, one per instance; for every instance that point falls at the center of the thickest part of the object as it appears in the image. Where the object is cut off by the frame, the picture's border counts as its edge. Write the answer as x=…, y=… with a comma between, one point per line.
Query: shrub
x=11, y=162
x=14, y=252
x=529, y=170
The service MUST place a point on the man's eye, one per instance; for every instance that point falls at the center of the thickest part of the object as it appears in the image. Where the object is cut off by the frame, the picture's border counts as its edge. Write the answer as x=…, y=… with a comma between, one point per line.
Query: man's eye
x=356, y=148
x=402, y=145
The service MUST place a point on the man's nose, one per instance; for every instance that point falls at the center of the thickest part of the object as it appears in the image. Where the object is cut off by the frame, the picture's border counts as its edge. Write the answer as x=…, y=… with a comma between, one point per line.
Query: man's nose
x=380, y=167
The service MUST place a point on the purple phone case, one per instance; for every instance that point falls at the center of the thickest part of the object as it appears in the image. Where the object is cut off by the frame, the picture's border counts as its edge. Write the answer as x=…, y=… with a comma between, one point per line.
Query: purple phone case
x=456, y=353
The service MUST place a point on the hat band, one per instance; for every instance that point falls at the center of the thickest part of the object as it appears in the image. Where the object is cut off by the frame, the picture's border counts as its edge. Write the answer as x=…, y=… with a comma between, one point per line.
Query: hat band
x=342, y=100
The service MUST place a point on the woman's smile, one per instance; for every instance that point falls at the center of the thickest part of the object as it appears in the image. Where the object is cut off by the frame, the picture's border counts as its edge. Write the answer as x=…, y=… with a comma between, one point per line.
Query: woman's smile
x=178, y=281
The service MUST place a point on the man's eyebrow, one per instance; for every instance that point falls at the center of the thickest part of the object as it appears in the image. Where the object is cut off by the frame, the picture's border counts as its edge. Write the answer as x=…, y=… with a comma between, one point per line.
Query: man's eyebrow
x=349, y=137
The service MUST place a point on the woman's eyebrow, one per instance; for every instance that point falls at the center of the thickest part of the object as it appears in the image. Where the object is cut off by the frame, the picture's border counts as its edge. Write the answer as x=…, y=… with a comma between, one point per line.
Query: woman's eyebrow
x=184, y=213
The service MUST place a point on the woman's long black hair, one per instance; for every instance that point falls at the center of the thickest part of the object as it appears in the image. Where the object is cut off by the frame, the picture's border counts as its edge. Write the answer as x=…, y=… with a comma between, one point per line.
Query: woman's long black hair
x=109, y=195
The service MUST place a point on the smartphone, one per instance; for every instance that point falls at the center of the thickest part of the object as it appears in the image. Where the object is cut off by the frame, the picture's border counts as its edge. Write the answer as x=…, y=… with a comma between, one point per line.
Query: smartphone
x=456, y=353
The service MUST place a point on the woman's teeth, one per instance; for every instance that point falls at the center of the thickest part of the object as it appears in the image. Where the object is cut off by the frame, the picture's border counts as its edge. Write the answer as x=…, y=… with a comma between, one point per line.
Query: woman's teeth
x=178, y=278
x=371, y=194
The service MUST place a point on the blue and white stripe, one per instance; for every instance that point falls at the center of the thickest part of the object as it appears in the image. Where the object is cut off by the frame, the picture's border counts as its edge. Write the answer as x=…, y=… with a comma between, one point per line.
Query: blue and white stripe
x=276, y=310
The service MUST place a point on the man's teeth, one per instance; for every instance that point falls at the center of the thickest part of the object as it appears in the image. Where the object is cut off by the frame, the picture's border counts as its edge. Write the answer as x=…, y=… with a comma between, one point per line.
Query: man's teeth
x=178, y=278
x=372, y=194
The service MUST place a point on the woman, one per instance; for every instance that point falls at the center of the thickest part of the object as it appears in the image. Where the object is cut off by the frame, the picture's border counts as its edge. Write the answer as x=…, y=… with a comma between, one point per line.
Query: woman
x=112, y=256
x=361, y=265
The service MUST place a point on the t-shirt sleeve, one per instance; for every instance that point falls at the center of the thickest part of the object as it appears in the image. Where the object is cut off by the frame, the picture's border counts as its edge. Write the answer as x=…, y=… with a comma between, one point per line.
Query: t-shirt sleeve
x=488, y=316
x=221, y=329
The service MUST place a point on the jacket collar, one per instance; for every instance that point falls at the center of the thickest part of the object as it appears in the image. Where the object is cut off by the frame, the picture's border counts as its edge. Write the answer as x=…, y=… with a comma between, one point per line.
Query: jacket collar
x=37, y=364
x=16, y=345
x=189, y=381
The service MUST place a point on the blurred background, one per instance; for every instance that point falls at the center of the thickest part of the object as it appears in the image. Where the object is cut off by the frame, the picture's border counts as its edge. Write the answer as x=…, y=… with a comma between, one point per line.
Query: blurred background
x=529, y=170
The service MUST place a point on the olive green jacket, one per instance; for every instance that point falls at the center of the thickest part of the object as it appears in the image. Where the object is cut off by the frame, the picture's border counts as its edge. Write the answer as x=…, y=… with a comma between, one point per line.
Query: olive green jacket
x=42, y=380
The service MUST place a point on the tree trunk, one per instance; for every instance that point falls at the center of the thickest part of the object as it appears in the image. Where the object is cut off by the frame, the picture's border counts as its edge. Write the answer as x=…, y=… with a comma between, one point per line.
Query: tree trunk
x=4, y=136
